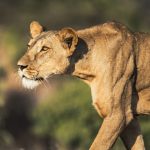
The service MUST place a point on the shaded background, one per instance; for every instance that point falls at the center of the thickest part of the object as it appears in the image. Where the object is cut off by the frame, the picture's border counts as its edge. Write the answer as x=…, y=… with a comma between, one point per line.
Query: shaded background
x=58, y=115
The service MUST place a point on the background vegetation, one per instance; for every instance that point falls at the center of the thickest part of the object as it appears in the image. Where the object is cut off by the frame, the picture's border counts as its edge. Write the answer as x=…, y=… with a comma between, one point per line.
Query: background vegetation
x=59, y=115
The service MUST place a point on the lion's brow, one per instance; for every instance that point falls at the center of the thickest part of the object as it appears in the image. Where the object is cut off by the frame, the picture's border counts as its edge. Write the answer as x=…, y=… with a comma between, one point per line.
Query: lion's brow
x=40, y=37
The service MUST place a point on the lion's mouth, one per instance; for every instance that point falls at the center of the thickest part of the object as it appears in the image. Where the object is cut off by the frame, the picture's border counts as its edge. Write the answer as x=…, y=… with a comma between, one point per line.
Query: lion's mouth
x=35, y=79
x=31, y=83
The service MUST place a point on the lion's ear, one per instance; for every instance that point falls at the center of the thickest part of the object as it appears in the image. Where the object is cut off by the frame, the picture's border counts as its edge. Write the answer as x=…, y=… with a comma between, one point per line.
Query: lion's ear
x=69, y=39
x=35, y=29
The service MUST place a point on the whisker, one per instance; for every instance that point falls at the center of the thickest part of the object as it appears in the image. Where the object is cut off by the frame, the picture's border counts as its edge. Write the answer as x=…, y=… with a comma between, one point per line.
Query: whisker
x=43, y=84
x=47, y=82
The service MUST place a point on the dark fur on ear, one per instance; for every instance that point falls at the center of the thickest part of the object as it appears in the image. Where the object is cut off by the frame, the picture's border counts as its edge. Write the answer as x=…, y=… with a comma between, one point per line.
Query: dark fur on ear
x=69, y=39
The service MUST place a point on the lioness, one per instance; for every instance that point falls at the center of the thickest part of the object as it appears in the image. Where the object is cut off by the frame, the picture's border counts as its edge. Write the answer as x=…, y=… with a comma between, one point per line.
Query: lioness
x=111, y=59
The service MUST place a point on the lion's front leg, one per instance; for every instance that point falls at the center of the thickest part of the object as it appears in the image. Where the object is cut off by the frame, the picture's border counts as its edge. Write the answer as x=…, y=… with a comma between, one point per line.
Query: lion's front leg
x=109, y=131
x=113, y=108
x=132, y=137
x=113, y=95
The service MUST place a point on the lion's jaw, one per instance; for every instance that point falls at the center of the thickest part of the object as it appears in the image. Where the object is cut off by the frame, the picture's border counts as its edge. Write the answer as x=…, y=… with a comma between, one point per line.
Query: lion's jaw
x=27, y=82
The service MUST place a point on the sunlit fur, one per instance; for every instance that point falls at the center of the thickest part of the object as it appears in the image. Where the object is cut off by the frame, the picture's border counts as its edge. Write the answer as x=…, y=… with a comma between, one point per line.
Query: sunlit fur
x=114, y=61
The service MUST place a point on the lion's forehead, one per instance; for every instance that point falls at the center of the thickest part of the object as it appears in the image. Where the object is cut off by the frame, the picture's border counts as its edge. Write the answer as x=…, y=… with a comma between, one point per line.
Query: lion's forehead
x=45, y=36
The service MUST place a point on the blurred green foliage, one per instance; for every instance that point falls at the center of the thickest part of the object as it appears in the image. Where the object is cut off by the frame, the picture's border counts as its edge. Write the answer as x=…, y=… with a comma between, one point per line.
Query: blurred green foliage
x=68, y=116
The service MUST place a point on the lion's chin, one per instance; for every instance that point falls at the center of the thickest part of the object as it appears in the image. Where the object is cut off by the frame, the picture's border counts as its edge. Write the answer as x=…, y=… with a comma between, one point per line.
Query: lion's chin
x=29, y=84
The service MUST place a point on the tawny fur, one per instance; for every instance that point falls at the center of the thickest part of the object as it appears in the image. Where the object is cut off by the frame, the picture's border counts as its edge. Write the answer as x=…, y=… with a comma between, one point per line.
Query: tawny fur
x=112, y=60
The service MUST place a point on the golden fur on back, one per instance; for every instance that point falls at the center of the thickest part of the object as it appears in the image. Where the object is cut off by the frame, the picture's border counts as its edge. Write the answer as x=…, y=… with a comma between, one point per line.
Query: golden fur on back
x=111, y=59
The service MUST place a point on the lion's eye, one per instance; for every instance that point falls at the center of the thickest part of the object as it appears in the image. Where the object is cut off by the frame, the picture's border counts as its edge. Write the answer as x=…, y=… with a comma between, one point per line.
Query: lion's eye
x=44, y=48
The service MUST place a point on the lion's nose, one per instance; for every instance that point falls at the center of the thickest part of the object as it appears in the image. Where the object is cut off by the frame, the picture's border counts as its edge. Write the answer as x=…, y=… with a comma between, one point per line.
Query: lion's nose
x=22, y=66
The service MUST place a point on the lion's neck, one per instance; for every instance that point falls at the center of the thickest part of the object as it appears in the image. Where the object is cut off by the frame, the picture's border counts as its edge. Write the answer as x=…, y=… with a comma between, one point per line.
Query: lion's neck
x=81, y=60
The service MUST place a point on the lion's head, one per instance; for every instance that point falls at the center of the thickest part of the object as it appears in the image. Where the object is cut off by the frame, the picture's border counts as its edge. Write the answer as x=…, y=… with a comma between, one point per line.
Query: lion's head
x=47, y=54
